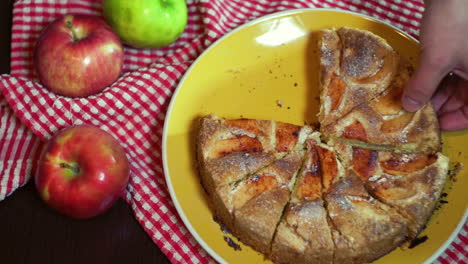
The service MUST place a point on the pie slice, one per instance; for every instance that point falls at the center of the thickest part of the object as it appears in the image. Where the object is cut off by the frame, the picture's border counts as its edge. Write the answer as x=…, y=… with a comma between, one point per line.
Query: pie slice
x=411, y=183
x=251, y=208
x=303, y=235
x=383, y=123
x=356, y=67
x=259, y=200
x=363, y=228
x=229, y=150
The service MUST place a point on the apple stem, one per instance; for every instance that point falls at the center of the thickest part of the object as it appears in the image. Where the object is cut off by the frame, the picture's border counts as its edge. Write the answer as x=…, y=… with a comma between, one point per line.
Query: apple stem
x=74, y=168
x=70, y=26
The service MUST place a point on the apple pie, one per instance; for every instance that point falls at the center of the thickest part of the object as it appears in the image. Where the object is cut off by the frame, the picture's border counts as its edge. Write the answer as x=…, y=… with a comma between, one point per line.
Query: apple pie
x=363, y=185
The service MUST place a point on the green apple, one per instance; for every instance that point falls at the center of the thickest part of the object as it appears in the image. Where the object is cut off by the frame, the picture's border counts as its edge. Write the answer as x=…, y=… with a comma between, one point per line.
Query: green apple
x=146, y=23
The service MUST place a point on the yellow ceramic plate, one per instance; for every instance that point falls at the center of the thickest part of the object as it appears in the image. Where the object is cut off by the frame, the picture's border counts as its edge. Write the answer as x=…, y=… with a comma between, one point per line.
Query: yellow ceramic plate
x=249, y=73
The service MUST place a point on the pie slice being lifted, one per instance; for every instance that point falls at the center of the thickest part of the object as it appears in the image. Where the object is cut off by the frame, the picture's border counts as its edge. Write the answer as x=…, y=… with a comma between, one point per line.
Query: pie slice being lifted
x=372, y=117
x=356, y=67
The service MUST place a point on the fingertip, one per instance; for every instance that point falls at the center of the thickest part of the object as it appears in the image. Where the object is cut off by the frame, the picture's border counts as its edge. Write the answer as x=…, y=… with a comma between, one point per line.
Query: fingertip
x=410, y=104
x=416, y=93
x=425, y=80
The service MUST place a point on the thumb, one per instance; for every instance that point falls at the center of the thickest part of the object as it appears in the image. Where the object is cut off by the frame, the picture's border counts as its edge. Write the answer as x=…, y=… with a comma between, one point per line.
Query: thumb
x=432, y=69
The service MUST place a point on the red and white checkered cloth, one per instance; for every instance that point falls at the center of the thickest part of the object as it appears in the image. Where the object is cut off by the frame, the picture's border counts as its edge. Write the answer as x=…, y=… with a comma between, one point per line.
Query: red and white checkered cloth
x=133, y=108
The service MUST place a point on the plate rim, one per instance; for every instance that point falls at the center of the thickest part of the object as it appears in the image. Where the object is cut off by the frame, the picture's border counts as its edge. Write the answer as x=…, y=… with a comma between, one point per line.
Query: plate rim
x=167, y=177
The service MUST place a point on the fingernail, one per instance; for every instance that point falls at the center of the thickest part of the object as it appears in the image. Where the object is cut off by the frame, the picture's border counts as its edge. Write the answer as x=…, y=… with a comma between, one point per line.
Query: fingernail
x=410, y=104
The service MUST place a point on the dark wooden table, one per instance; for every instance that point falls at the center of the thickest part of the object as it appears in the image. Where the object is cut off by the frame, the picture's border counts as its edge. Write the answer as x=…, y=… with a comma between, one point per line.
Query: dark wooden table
x=32, y=233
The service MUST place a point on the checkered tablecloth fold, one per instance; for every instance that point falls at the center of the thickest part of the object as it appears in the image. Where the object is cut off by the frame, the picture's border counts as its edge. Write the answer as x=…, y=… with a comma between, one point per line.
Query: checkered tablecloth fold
x=134, y=107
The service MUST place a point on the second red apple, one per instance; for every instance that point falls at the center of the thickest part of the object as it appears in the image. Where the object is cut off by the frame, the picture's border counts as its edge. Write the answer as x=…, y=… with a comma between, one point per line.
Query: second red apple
x=82, y=171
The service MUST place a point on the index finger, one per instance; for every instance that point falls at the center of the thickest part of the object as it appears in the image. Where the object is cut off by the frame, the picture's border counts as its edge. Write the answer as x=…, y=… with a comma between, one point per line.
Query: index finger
x=424, y=82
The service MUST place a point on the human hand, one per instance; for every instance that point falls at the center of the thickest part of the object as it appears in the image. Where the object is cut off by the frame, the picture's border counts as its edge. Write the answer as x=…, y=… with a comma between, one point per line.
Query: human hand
x=444, y=41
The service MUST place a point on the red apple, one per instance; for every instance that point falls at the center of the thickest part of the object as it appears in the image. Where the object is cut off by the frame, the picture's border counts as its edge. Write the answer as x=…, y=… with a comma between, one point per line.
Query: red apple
x=82, y=171
x=78, y=56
